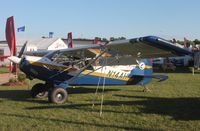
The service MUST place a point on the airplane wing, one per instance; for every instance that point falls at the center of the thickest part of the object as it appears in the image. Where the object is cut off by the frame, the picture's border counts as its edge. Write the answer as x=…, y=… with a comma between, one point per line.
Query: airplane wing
x=124, y=52
x=37, y=53
x=147, y=47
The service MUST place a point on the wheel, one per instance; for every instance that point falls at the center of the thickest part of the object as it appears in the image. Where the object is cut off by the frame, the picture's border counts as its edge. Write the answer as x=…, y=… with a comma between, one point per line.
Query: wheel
x=57, y=95
x=39, y=91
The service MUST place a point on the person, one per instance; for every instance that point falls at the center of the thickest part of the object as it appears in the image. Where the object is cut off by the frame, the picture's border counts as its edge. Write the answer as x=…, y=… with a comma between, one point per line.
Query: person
x=197, y=60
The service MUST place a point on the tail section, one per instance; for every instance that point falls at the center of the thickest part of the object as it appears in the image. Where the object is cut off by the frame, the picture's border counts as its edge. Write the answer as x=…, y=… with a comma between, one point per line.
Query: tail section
x=142, y=73
x=70, y=41
x=143, y=68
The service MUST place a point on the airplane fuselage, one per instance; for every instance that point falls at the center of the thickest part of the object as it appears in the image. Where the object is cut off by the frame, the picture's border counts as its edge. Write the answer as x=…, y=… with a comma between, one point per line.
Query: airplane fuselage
x=46, y=70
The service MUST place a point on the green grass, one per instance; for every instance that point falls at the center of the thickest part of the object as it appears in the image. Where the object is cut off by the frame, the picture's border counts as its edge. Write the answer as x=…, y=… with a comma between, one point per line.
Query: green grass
x=171, y=105
x=4, y=70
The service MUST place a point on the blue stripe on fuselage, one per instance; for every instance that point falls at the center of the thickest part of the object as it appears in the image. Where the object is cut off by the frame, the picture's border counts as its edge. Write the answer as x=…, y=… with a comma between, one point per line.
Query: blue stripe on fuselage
x=94, y=80
x=43, y=73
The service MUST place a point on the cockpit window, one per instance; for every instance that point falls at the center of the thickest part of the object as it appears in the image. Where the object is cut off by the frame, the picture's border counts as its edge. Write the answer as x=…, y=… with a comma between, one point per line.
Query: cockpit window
x=74, y=59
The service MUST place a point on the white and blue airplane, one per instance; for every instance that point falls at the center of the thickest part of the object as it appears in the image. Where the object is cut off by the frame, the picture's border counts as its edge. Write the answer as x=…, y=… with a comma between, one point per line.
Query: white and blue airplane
x=123, y=62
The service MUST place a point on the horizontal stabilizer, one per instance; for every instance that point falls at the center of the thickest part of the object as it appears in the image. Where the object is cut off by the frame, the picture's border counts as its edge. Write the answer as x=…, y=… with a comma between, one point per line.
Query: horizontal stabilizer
x=160, y=77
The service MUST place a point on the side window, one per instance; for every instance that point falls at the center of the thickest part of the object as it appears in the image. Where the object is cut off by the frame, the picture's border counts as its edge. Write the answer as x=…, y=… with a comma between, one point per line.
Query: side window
x=74, y=59
x=52, y=56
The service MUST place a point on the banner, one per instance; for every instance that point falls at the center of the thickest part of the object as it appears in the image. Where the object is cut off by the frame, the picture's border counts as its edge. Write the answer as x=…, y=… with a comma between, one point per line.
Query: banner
x=70, y=41
x=10, y=35
x=11, y=40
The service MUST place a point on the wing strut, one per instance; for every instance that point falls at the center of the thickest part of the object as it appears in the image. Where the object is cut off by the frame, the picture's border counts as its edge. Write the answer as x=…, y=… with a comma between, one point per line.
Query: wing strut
x=95, y=94
x=102, y=94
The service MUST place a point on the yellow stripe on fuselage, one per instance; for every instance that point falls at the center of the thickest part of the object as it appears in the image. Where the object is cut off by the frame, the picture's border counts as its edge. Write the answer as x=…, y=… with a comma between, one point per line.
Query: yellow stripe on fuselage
x=88, y=72
x=148, y=67
x=110, y=75
x=49, y=66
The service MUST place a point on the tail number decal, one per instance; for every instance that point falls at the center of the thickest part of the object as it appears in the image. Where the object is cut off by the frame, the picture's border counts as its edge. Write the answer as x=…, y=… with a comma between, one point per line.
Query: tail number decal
x=115, y=74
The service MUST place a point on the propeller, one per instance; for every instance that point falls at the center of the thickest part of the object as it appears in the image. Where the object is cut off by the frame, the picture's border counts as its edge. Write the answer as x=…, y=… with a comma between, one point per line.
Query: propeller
x=22, y=49
x=17, y=59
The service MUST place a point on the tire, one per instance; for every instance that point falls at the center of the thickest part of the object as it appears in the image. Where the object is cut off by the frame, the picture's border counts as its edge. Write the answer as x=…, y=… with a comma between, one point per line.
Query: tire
x=39, y=91
x=58, y=96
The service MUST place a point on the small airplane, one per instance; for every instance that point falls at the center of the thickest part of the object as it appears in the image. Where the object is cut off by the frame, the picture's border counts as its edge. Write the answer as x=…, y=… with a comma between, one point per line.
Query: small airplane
x=123, y=62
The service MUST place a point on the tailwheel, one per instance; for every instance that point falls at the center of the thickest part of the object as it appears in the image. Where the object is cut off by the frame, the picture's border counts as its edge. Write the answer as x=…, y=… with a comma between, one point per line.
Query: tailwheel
x=146, y=89
x=39, y=91
x=57, y=95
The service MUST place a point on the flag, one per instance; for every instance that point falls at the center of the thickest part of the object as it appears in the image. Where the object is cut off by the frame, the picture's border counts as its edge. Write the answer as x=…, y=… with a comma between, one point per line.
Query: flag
x=97, y=40
x=21, y=29
x=51, y=34
x=69, y=40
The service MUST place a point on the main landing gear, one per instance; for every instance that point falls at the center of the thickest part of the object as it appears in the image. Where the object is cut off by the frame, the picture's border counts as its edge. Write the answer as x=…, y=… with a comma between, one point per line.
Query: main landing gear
x=39, y=91
x=55, y=95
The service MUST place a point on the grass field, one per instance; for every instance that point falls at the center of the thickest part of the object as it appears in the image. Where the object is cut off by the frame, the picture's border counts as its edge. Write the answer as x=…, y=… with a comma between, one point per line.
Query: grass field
x=171, y=105
x=4, y=70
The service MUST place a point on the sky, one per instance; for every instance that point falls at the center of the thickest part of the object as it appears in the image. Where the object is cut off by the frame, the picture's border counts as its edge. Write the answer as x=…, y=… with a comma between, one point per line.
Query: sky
x=103, y=18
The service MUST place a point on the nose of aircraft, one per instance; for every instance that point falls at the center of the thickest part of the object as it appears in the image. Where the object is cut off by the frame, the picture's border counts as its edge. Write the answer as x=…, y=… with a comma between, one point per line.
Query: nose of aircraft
x=14, y=59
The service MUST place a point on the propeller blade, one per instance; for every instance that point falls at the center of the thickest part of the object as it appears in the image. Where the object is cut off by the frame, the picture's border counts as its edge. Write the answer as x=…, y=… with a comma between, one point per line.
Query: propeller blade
x=15, y=59
x=22, y=49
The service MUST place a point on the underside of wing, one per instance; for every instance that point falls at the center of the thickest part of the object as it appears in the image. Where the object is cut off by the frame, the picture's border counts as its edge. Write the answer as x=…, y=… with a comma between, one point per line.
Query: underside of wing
x=122, y=52
x=147, y=47
x=37, y=53
x=128, y=51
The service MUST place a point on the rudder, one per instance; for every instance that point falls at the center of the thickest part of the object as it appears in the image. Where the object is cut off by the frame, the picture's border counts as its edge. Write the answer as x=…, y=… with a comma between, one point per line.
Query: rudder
x=142, y=73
